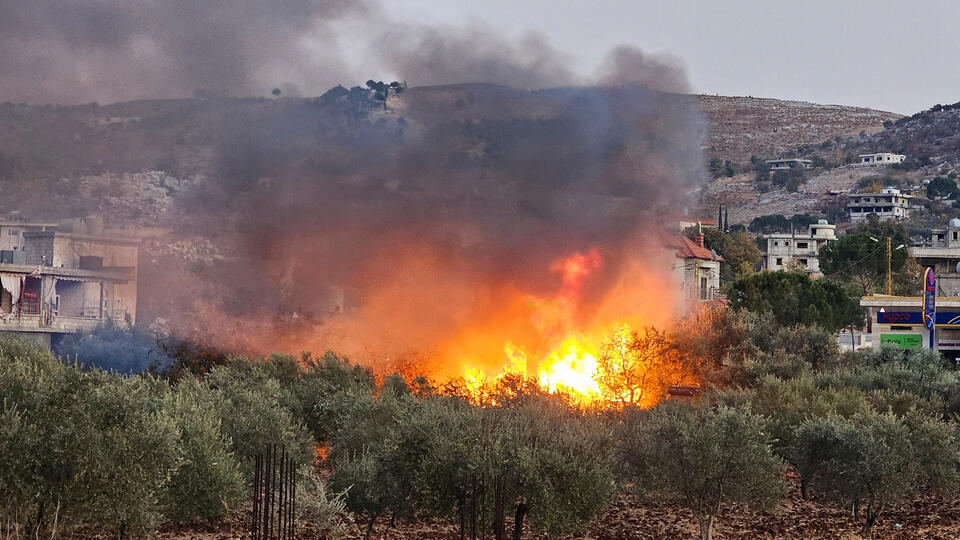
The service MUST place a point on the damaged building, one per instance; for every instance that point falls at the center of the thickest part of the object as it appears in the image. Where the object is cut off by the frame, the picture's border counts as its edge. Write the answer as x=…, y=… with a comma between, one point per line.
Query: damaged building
x=64, y=278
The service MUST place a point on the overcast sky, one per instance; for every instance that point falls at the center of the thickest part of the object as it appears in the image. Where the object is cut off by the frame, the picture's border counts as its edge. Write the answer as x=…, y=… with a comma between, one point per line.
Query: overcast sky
x=892, y=55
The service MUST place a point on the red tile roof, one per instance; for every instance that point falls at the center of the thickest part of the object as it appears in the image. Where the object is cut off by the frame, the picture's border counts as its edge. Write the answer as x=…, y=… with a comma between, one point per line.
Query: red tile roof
x=686, y=248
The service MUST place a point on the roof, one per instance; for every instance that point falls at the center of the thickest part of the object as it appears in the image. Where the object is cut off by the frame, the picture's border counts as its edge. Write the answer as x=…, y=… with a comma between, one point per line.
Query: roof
x=672, y=218
x=686, y=248
x=117, y=274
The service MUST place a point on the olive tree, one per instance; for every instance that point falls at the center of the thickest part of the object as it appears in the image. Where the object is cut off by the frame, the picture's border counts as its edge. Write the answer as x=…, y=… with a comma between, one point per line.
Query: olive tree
x=702, y=456
x=871, y=460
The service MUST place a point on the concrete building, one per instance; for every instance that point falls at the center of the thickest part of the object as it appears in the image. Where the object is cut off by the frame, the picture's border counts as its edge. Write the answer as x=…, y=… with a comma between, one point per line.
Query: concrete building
x=696, y=268
x=682, y=222
x=787, y=164
x=802, y=247
x=882, y=158
x=891, y=203
x=64, y=282
x=942, y=252
x=897, y=321
x=11, y=232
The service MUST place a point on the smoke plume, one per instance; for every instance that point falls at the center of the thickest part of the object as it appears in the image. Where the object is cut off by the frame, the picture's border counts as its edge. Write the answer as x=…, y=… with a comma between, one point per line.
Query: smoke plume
x=437, y=218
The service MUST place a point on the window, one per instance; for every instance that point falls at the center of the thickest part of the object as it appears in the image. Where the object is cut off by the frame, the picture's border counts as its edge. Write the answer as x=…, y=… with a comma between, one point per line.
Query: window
x=801, y=245
x=786, y=243
x=14, y=232
x=779, y=261
x=954, y=235
x=776, y=243
x=803, y=262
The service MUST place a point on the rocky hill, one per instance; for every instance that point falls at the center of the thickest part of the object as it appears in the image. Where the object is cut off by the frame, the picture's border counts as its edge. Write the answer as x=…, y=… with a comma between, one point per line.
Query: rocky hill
x=741, y=127
x=132, y=159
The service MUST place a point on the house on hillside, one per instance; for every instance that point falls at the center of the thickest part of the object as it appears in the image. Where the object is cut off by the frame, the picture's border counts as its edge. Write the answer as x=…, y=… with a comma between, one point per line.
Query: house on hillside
x=942, y=252
x=65, y=279
x=787, y=164
x=882, y=158
x=802, y=247
x=697, y=269
x=891, y=203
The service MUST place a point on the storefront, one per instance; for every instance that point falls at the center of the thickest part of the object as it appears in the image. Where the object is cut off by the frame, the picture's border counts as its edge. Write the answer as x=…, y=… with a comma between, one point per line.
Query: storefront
x=897, y=321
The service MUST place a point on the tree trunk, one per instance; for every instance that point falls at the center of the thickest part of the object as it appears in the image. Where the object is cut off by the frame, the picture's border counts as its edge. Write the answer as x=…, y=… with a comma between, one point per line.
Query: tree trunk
x=803, y=488
x=873, y=512
x=518, y=519
x=373, y=520
x=706, y=527
x=499, y=520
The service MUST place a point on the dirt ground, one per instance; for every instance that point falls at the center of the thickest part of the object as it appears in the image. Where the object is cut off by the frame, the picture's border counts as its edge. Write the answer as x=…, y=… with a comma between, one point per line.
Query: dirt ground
x=929, y=517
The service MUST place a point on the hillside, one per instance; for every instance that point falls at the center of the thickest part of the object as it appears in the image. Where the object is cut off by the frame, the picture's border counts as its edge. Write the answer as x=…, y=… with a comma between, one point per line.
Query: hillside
x=134, y=160
x=741, y=127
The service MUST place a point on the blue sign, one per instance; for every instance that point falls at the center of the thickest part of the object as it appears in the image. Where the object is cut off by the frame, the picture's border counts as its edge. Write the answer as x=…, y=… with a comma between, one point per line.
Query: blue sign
x=900, y=317
x=915, y=318
x=929, y=297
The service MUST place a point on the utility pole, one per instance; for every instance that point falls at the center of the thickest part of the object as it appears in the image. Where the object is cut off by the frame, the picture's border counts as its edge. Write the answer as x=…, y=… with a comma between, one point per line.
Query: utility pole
x=889, y=287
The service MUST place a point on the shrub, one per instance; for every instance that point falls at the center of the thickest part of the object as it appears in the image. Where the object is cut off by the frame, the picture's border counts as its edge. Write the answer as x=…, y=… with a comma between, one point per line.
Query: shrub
x=703, y=456
x=208, y=483
x=83, y=448
x=871, y=460
x=257, y=412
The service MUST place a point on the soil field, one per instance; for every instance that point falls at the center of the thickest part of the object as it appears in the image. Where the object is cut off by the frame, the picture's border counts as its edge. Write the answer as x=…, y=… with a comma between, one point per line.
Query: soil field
x=630, y=517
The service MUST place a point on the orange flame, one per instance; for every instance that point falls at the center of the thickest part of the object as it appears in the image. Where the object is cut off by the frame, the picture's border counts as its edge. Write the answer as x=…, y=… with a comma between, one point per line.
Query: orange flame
x=569, y=364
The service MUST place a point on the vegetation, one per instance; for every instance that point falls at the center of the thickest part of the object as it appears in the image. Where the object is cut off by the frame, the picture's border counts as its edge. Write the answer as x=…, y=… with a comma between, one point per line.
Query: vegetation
x=793, y=298
x=739, y=251
x=860, y=259
x=778, y=223
x=96, y=451
x=702, y=457
x=941, y=187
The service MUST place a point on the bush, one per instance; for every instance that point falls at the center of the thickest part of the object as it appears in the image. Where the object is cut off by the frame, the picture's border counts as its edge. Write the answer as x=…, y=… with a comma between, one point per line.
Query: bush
x=872, y=460
x=208, y=483
x=257, y=412
x=702, y=457
x=81, y=448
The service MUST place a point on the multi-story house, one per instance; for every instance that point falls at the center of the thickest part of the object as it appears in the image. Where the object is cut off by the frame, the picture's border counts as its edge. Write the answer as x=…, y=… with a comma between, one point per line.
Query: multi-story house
x=800, y=247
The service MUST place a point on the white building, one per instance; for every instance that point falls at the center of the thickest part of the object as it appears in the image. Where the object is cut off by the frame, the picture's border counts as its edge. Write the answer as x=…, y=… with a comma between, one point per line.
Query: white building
x=802, y=247
x=882, y=158
x=942, y=252
x=889, y=204
x=697, y=269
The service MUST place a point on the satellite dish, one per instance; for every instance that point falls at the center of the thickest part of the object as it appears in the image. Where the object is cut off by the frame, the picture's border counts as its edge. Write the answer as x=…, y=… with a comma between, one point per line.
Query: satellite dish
x=958, y=267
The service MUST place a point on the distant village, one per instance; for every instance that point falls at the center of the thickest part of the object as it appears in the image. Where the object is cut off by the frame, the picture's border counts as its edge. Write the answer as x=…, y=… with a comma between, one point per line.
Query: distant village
x=891, y=320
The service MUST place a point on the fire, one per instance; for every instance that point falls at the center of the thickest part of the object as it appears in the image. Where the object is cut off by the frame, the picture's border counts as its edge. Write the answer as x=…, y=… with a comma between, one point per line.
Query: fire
x=567, y=360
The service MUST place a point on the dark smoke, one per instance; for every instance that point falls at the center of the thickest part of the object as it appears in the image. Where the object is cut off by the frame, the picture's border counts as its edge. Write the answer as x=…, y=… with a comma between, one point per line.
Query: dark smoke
x=71, y=51
x=629, y=65
x=376, y=228
x=477, y=53
x=78, y=51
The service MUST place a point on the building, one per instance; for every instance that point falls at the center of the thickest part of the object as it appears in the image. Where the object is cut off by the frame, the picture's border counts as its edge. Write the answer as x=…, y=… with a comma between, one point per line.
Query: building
x=696, y=268
x=787, y=164
x=897, y=321
x=889, y=204
x=801, y=247
x=882, y=158
x=59, y=281
x=681, y=222
x=11, y=233
x=942, y=252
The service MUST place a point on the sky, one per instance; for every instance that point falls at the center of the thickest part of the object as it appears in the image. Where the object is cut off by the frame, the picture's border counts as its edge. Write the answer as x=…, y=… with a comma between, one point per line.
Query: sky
x=885, y=54
x=891, y=55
